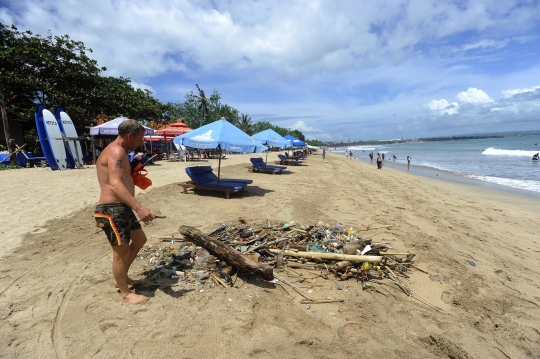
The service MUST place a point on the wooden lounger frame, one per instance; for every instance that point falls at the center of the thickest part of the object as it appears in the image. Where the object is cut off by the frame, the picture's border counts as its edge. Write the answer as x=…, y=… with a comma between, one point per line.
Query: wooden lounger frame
x=190, y=185
x=255, y=169
x=290, y=162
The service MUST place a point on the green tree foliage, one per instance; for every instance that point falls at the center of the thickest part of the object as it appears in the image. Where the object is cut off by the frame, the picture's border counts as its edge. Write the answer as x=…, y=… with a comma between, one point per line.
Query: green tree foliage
x=229, y=113
x=245, y=124
x=171, y=111
x=265, y=125
x=192, y=109
x=189, y=110
x=298, y=134
x=56, y=71
x=116, y=97
x=214, y=107
x=32, y=142
x=315, y=143
x=202, y=105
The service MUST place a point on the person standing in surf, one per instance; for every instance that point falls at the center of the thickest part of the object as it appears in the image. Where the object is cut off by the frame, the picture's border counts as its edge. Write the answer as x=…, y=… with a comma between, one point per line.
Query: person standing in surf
x=379, y=161
x=114, y=210
x=408, y=163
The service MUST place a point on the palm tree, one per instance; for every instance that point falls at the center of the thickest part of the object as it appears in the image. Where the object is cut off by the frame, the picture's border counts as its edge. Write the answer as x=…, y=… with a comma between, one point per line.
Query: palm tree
x=230, y=113
x=245, y=124
x=203, y=104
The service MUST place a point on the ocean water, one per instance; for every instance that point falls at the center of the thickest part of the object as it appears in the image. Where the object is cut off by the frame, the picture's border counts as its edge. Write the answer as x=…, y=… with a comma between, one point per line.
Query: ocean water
x=505, y=161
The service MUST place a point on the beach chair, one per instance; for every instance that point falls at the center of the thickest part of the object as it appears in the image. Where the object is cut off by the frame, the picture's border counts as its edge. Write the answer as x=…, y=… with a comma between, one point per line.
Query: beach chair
x=28, y=158
x=294, y=157
x=288, y=161
x=260, y=166
x=203, y=177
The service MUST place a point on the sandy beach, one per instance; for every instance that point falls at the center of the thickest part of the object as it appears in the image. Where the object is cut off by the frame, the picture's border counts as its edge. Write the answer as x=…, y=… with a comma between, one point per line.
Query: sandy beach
x=57, y=299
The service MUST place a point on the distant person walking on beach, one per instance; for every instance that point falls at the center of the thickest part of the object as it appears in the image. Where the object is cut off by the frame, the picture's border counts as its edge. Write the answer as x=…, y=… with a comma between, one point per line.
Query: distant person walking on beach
x=371, y=156
x=383, y=156
x=346, y=154
x=379, y=162
x=114, y=210
x=323, y=153
x=408, y=163
x=350, y=155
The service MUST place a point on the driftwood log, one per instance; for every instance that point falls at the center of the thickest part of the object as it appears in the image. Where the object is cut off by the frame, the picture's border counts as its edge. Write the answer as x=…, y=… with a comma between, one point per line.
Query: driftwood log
x=331, y=256
x=226, y=253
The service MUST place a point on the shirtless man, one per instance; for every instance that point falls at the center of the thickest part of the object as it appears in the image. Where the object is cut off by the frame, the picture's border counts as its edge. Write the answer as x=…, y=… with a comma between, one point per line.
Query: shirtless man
x=114, y=211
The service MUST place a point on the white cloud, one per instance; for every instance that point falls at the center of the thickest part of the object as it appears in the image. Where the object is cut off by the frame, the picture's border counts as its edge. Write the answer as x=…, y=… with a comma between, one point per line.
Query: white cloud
x=303, y=127
x=144, y=38
x=474, y=95
x=486, y=43
x=510, y=93
x=142, y=86
x=442, y=107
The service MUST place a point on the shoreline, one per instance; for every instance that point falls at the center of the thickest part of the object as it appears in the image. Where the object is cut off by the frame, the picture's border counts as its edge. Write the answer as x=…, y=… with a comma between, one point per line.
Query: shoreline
x=444, y=175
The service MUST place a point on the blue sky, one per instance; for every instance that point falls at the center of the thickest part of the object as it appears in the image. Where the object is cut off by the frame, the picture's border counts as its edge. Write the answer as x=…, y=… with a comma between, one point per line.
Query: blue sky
x=335, y=70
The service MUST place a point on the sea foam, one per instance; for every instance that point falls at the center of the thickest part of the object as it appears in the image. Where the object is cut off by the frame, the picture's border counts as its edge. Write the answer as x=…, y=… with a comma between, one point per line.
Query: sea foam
x=499, y=152
x=361, y=148
x=529, y=185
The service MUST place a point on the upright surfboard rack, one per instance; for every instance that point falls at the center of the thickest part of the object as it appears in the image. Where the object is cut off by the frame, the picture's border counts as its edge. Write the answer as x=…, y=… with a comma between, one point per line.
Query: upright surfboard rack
x=55, y=128
x=70, y=139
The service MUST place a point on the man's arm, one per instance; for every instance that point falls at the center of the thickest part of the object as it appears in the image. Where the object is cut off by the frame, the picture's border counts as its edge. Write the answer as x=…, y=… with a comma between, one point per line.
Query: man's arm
x=117, y=166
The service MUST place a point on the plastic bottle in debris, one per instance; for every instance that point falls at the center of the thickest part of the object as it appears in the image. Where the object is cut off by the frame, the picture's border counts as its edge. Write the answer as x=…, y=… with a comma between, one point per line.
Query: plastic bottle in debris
x=202, y=274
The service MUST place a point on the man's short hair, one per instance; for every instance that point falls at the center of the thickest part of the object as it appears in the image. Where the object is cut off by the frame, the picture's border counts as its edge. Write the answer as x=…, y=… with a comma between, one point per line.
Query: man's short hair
x=129, y=126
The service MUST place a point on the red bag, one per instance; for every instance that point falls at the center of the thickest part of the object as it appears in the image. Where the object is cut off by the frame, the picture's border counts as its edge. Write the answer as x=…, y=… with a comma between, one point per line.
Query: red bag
x=139, y=177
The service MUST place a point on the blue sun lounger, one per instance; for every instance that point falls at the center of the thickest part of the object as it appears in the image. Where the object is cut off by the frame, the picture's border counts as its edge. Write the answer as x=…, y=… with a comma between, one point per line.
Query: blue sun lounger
x=288, y=161
x=203, y=177
x=295, y=157
x=260, y=166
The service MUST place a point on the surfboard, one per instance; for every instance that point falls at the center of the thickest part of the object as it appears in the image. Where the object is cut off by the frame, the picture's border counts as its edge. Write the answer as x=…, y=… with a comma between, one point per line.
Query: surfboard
x=74, y=147
x=42, y=136
x=52, y=137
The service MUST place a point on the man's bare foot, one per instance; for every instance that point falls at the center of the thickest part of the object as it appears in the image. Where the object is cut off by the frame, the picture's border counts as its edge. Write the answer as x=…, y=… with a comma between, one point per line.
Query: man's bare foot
x=131, y=283
x=133, y=298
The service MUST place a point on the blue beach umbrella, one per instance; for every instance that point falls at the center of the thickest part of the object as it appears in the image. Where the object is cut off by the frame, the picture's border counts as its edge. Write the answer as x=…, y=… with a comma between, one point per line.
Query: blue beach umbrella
x=271, y=138
x=259, y=147
x=219, y=134
x=295, y=141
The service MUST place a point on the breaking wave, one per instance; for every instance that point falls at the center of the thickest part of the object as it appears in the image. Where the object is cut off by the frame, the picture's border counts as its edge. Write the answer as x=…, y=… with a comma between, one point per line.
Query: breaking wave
x=518, y=153
x=521, y=184
x=361, y=148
